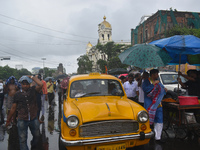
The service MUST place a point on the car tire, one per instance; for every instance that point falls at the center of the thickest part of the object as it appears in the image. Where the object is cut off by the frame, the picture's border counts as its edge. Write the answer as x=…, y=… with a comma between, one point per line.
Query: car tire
x=61, y=146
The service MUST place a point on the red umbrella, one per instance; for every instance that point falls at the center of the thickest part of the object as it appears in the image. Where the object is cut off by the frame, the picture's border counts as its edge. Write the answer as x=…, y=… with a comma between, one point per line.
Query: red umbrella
x=125, y=75
x=64, y=83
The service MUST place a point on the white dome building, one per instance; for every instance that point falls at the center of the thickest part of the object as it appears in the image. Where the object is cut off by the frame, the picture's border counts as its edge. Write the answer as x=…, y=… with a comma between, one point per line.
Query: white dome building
x=105, y=35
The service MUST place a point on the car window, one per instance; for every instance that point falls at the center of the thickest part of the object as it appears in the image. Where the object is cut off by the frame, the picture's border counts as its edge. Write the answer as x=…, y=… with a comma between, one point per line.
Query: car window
x=96, y=87
x=171, y=78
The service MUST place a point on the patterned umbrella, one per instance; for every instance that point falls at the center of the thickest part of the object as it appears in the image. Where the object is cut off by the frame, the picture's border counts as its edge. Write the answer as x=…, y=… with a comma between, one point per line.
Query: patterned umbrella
x=145, y=56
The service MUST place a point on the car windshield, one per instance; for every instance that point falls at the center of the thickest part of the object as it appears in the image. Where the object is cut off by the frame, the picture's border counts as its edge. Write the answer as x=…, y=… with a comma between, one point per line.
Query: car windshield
x=95, y=87
x=171, y=78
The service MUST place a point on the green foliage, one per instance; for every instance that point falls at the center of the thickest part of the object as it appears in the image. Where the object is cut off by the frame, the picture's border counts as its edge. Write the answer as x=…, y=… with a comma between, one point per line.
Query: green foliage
x=116, y=63
x=177, y=30
x=84, y=64
x=112, y=50
x=47, y=71
x=102, y=64
x=6, y=72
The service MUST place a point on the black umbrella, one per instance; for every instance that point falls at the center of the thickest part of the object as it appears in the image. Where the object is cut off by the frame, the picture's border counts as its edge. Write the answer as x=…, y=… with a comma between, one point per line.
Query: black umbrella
x=47, y=79
x=117, y=71
x=62, y=76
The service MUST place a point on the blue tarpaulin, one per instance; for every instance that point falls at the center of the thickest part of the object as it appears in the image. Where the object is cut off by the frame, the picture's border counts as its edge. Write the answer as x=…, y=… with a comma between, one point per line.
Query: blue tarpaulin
x=184, y=45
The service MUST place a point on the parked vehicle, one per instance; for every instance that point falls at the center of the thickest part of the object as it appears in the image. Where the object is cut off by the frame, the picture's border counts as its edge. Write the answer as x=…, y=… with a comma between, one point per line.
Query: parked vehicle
x=169, y=80
x=98, y=115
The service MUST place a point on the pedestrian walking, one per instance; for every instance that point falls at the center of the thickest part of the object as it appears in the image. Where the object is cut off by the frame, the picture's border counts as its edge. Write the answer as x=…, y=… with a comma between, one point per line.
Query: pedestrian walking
x=153, y=95
x=50, y=90
x=26, y=103
x=11, y=87
x=44, y=97
x=130, y=88
x=38, y=97
x=59, y=91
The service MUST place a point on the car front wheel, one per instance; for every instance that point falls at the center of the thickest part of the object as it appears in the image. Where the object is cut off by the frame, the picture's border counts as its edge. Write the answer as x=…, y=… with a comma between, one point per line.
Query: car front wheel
x=61, y=146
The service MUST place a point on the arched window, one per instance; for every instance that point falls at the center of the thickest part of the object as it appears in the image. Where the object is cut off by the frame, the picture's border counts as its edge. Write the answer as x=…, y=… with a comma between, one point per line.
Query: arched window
x=108, y=37
x=103, y=36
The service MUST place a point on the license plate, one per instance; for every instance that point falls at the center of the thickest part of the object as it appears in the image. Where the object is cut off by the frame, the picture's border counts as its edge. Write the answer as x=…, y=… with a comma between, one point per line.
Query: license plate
x=112, y=147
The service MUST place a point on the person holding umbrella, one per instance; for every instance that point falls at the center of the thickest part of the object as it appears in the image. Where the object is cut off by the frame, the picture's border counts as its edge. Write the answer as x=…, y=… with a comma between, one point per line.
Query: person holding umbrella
x=153, y=95
x=192, y=83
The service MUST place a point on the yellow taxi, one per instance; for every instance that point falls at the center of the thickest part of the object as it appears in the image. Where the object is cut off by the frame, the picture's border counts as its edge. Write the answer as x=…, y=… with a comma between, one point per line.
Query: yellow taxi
x=97, y=115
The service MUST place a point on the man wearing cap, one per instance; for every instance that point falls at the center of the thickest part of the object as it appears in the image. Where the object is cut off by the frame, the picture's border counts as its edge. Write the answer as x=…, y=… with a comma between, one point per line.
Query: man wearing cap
x=26, y=103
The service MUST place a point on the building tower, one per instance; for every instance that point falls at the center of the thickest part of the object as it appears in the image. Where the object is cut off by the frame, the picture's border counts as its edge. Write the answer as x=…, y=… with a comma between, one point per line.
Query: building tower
x=89, y=46
x=105, y=32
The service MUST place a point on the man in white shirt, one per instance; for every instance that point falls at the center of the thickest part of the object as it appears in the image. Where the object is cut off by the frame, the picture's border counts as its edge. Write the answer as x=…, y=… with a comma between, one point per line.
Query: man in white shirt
x=130, y=88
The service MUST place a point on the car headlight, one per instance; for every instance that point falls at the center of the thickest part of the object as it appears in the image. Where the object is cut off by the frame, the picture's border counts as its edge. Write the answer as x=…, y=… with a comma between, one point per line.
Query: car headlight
x=143, y=116
x=72, y=121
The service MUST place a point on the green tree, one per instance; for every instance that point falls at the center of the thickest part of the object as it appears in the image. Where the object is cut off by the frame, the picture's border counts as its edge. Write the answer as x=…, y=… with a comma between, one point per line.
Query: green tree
x=48, y=72
x=102, y=64
x=112, y=50
x=115, y=62
x=6, y=72
x=177, y=30
x=84, y=64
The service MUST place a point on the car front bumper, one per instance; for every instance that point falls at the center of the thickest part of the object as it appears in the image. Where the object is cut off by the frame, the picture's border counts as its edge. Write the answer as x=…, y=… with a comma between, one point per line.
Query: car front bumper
x=140, y=136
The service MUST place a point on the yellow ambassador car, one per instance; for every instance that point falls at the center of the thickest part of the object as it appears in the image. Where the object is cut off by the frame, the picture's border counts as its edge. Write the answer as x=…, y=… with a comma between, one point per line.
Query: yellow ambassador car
x=97, y=115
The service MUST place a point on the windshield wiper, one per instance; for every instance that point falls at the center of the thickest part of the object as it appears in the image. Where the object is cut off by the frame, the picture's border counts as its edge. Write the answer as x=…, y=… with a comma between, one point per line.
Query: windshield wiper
x=88, y=94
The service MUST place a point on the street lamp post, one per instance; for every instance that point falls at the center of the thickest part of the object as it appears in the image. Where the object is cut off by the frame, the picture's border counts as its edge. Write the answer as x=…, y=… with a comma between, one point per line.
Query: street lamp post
x=43, y=66
x=5, y=58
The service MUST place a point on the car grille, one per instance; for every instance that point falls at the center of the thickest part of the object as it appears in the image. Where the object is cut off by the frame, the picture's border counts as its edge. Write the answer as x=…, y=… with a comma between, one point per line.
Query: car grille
x=103, y=128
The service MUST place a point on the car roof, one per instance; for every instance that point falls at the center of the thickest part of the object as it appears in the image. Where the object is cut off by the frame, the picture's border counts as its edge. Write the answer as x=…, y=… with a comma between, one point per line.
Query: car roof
x=92, y=76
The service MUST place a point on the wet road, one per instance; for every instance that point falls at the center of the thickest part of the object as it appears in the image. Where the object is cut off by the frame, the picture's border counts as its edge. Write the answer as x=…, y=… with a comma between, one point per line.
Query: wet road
x=49, y=133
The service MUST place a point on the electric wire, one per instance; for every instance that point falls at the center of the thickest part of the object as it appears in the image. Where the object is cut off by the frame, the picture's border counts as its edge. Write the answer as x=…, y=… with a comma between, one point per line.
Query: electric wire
x=46, y=27
x=54, y=29
x=42, y=43
x=42, y=33
x=27, y=58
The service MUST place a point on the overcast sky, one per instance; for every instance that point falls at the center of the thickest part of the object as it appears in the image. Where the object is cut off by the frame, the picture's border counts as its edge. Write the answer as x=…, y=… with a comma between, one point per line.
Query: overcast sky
x=59, y=30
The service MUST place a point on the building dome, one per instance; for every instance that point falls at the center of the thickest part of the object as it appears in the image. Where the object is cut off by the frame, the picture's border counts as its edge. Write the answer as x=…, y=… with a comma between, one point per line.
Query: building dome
x=106, y=24
x=89, y=45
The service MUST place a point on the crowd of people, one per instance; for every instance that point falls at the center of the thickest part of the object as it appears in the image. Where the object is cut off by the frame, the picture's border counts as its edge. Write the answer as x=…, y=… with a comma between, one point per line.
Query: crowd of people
x=24, y=100
x=147, y=90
